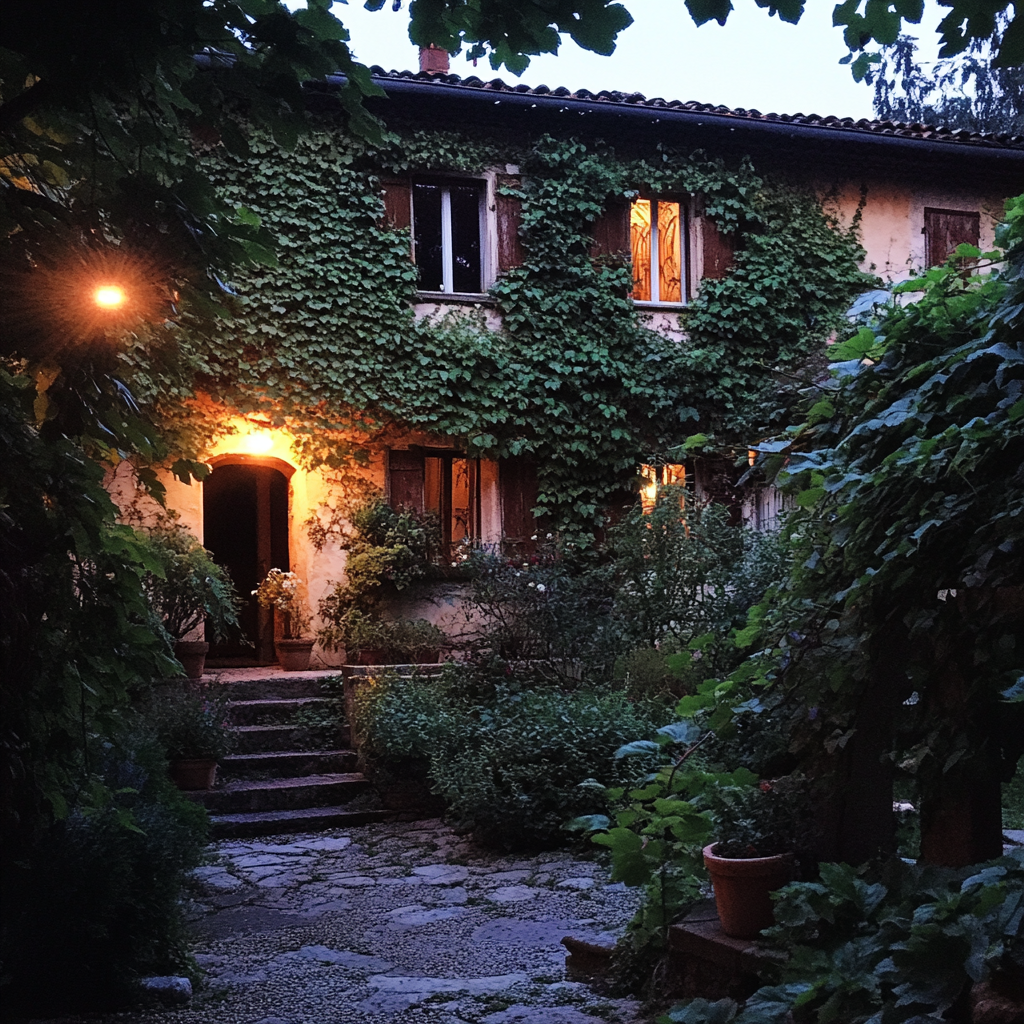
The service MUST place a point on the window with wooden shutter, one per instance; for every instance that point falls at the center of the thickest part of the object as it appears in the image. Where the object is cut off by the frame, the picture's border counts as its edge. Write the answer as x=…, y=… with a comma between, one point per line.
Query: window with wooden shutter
x=944, y=230
x=509, y=216
x=397, y=202
x=517, y=479
x=405, y=479
x=718, y=250
x=611, y=231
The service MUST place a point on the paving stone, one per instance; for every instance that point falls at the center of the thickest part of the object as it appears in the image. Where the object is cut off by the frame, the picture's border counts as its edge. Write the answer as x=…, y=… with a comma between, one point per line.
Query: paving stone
x=508, y=876
x=344, y=957
x=326, y=843
x=443, y=874
x=576, y=883
x=258, y=860
x=540, y=1015
x=349, y=881
x=416, y=916
x=394, y=993
x=513, y=894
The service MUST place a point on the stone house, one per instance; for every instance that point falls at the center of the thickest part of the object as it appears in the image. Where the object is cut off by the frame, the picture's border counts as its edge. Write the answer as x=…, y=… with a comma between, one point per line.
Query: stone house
x=916, y=191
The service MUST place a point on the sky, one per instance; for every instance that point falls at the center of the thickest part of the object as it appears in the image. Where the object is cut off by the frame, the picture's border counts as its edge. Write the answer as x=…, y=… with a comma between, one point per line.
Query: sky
x=754, y=61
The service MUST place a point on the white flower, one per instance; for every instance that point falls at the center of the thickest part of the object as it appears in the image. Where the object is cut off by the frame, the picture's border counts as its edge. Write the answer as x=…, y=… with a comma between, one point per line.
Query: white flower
x=454, y=564
x=533, y=585
x=540, y=588
x=534, y=537
x=550, y=535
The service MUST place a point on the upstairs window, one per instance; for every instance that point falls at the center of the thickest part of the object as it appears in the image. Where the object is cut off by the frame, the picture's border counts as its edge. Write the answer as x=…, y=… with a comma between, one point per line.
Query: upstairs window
x=447, y=233
x=944, y=230
x=659, y=257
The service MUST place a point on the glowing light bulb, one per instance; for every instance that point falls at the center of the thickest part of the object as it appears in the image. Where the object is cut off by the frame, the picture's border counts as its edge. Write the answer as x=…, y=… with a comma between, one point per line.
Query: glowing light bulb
x=259, y=442
x=109, y=296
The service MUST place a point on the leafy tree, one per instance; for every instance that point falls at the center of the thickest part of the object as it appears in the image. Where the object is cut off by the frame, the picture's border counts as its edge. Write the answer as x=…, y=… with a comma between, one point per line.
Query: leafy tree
x=963, y=92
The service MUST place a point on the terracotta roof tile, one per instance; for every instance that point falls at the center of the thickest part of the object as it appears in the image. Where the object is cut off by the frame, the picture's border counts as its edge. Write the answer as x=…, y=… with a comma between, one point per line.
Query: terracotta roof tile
x=933, y=133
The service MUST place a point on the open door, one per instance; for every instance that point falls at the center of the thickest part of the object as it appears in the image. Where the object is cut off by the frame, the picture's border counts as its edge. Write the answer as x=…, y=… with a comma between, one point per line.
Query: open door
x=245, y=517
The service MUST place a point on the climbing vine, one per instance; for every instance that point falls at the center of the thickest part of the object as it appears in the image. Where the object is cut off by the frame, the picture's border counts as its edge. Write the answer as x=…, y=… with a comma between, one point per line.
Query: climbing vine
x=326, y=341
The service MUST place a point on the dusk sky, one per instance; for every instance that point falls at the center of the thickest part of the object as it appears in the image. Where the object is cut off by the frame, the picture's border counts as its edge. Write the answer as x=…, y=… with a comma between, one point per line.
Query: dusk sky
x=755, y=61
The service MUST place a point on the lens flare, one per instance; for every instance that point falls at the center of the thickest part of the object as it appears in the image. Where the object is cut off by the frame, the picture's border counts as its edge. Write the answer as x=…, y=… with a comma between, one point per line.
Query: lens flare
x=109, y=296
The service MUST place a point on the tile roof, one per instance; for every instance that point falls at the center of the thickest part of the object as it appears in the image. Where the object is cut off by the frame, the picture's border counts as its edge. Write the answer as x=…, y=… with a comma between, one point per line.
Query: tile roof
x=612, y=99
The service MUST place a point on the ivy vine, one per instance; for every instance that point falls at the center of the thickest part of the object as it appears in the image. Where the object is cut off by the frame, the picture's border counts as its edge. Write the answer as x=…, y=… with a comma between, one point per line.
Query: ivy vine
x=327, y=343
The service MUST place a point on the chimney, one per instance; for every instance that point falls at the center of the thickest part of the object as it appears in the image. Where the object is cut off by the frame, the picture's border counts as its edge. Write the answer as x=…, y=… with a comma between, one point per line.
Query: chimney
x=433, y=60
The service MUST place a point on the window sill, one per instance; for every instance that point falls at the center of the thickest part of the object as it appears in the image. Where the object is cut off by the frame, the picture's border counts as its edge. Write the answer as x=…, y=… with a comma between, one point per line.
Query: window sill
x=456, y=298
x=662, y=307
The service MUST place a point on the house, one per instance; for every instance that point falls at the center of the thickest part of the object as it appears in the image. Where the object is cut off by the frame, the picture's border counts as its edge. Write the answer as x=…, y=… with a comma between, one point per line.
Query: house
x=433, y=239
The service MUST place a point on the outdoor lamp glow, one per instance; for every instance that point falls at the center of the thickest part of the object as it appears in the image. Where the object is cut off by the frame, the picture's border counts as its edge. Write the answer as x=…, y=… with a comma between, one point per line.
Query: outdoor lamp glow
x=109, y=296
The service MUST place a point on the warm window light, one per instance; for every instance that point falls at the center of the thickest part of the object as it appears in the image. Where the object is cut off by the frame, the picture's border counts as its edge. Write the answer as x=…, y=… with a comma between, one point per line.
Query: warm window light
x=653, y=478
x=258, y=442
x=109, y=296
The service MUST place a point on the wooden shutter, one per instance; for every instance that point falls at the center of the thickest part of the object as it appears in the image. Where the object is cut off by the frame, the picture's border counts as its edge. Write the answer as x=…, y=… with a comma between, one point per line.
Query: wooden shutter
x=397, y=203
x=405, y=479
x=509, y=215
x=718, y=250
x=611, y=231
x=946, y=229
x=517, y=479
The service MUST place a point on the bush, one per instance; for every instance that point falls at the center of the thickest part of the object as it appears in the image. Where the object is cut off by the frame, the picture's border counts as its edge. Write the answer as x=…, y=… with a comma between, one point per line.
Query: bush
x=189, y=723
x=96, y=905
x=516, y=770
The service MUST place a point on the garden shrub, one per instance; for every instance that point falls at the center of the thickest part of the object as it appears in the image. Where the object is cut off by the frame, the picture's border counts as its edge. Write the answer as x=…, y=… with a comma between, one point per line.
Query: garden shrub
x=96, y=905
x=520, y=767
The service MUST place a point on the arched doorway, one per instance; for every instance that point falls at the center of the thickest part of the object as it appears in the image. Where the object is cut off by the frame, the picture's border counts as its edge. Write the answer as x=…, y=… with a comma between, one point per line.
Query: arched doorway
x=245, y=526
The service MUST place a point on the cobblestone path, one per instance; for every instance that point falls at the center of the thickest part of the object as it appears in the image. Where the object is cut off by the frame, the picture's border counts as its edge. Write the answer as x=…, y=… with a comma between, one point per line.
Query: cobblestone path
x=393, y=923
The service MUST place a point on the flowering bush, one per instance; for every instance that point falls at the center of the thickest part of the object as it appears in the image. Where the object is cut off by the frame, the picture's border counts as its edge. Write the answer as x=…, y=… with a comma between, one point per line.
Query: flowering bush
x=280, y=590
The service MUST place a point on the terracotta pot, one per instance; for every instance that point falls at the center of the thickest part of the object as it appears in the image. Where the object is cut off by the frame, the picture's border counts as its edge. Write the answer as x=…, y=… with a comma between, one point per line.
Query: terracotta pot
x=192, y=655
x=293, y=655
x=194, y=773
x=742, y=887
x=372, y=656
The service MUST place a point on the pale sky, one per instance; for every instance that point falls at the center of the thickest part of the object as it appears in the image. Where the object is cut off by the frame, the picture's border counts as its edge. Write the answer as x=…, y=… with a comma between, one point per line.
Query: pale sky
x=755, y=61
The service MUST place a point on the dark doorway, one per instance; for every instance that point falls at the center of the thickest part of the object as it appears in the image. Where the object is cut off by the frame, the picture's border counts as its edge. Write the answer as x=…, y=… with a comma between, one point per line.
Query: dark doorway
x=245, y=516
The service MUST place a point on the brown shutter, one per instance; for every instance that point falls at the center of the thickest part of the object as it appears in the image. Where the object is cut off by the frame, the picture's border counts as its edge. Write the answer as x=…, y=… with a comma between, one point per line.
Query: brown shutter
x=397, y=203
x=517, y=480
x=405, y=479
x=509, y=215
x=946, y=229
x=611, y=231
x=719, y=249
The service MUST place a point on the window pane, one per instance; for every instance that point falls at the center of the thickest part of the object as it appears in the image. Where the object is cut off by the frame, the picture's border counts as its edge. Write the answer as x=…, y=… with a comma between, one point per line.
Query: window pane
x=640, y=242
x=426, y=205
x=432, y=483
x=461, y=526
x=670, y=257
x=466, y=238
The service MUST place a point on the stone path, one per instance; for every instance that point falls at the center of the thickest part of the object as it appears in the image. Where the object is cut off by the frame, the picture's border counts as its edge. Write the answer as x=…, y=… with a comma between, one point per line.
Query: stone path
x=396, y=922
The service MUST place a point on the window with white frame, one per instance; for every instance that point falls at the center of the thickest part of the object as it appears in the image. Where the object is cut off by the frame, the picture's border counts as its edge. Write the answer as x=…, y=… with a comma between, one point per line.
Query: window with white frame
x=447, y=235
x=658, y=244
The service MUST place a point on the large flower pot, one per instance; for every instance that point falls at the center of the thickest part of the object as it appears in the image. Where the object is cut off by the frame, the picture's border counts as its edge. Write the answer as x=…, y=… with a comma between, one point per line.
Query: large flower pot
x=742, y=887
x=192, y=655
x=293, y=655
x=372, y=656
x=194, y=773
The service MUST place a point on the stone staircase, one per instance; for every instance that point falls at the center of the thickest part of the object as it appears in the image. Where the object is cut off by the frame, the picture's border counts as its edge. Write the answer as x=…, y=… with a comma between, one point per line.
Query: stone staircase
x=289, y=773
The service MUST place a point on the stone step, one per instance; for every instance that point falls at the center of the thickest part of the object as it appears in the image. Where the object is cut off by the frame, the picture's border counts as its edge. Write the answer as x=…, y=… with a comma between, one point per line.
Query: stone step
x=257, y=739
x=247, y=795
x=280, y=711
x=309, y=819
x=280, y=764
x=286, y=685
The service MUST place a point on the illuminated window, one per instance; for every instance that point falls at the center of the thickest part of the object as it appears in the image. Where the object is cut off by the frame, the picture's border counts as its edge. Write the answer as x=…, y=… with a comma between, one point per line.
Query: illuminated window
x=654, y=478
x=656, y=240
x=446, y=233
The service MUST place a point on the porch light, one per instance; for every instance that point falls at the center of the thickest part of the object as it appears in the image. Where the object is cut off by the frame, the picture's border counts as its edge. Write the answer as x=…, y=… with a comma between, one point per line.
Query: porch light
x=109, y=296
x=258, y=442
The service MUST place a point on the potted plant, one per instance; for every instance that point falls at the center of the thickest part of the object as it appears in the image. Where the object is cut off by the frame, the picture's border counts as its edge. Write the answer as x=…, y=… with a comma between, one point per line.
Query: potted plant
x=757, y=828
x=191, y=726
x=280, y=591
x=187, y=588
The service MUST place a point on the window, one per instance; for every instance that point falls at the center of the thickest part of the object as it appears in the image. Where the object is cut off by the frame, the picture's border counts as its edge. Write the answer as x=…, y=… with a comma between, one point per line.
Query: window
x=447, y=236
x=442, y=482
x=944, y=230
x=657, y=242
x=654, y=478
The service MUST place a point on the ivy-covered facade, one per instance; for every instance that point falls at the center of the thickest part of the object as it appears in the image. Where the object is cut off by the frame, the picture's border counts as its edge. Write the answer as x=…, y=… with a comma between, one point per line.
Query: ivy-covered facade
x=521, y=297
